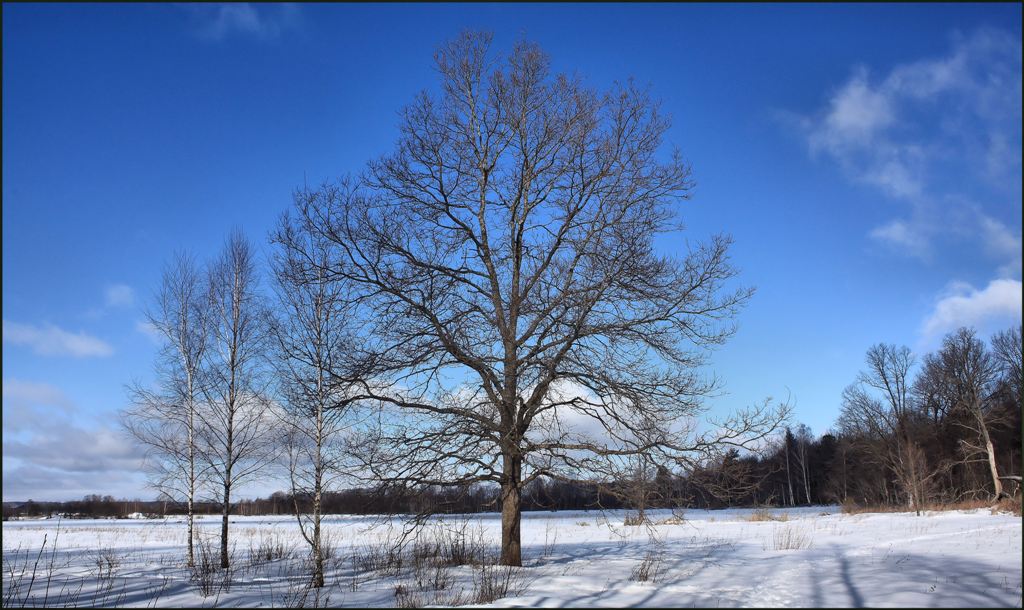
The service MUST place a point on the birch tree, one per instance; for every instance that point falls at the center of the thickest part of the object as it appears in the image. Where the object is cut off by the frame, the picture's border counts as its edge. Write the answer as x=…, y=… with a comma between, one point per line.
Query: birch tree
x=311, y=343
x=788, y=443
x=235, y=416
x=164, y=420
x=803, y=439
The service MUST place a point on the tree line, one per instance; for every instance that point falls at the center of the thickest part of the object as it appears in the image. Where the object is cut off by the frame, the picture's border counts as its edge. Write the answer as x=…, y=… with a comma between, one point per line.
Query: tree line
x=944, y=429
x=848, y=464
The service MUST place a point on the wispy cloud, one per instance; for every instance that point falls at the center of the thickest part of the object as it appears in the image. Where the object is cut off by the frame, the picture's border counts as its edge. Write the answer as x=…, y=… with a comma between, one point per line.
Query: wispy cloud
x=115, y=296
x=1001, y=242
x=997, y=304
x=29, y=482
x=940, y=138
x=26, y=402
x=926, y=134
x=31, y=393
x=146, y=328
x=903, y=234
x=73, y=448
x=49, y=340
x=119, y=295
x=261, y=21
x=54, y=450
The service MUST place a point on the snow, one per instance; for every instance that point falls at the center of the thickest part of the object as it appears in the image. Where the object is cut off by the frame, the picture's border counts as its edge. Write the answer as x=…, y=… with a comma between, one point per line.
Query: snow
x=571, y=558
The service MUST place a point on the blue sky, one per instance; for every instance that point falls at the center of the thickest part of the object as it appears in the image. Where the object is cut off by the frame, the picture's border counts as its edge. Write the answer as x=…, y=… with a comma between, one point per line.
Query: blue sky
x=866, y=159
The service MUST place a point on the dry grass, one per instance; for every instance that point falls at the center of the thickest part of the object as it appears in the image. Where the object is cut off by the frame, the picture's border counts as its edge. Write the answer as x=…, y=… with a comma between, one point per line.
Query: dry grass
x=763, y=514
x=271, y=547
x=30, y=579
x=789, y=539
x=1005, y=505
x=633, y=519
x=649, y=569
x=1008, y=505
x=492, y=581
x=426, y=568
x=206, y=573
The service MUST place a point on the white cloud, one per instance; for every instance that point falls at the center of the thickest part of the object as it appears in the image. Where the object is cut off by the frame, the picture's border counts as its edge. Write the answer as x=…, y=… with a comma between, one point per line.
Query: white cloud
x=855, y=114
x=73, y=448
x=49, y=340
x=49, y=454
x=902, y=235
x=32, y=393
x=898, y=174
x=29, y=482
x=119, y=295
x=1000, y=241
x=218, y=21
x=963, y=305
x=929, y=133
x=25, y=402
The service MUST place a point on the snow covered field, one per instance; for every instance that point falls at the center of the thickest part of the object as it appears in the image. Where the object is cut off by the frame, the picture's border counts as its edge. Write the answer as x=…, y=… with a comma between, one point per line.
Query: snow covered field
x=815, y=557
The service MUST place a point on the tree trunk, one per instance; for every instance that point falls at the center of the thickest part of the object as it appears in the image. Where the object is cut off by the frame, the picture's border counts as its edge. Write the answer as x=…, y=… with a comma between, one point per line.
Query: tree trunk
x=191, y=532
x=807, y=480
x=511, y=512
x=191, y=477
x=789, y=477
x=318, y=555
x=991, y=459
x=845, y=495
x=224, y=527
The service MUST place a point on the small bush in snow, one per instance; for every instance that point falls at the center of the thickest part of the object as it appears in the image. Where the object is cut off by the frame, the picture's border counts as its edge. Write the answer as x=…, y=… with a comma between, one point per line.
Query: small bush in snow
x=648, y=569
x=270, y=548
x=634, y=519
x=492, y=582
x=207, y=568
x=789, y=538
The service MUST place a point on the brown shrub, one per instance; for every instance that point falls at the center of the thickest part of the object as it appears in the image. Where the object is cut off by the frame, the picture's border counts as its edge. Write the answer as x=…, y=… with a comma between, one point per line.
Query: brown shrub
x=850, y=508
x=1008, y=505
x=763, y=514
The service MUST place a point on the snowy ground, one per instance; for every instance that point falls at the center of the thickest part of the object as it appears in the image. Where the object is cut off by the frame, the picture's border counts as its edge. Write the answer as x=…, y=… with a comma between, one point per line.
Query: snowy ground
x=816, y=557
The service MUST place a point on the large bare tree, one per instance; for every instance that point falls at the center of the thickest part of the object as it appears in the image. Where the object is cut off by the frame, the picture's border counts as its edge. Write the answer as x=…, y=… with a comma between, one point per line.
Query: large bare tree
x=523, y=322
x=879, y=407
x=969, y=372
x=235, y=416
x=1009, y=354
x=164, y=420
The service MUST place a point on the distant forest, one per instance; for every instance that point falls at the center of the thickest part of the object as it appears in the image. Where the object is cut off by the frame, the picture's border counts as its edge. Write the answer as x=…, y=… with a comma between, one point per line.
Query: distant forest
x=930, y=447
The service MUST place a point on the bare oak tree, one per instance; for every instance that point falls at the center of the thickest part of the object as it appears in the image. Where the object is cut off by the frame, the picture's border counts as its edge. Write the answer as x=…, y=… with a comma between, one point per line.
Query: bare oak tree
x=235, y=416
x=164, y=420
x=523, y=323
